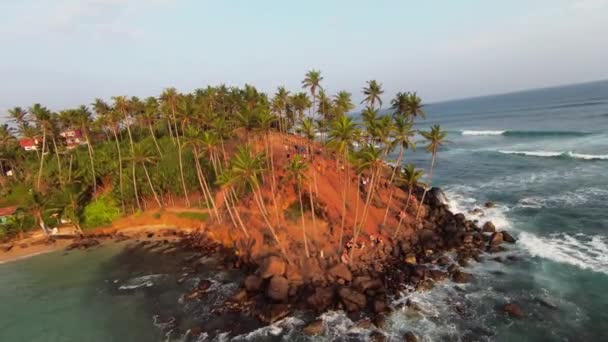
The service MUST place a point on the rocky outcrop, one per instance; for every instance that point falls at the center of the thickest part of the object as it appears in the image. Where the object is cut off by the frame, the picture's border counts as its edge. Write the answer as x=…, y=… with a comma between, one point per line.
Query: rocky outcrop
x=272, y=266
x=278, y=288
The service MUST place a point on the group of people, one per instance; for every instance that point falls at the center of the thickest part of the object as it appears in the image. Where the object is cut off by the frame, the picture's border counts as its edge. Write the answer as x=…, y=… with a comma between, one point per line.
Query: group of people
x=374, y=240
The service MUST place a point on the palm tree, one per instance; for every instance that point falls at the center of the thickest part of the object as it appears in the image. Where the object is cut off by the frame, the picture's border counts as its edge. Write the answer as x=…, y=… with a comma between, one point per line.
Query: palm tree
x=401, y=136
x=415, y=106
x=19, y=116
x=149, y=116
x=300, y=102
x=343, y=103
x=280, y=102
x=82, y=118
x=143, y=156
x=343, y=133
x=408, y=105
x=312, y=81
x=372, y=93
x=295, y=171
x=371, y=159
x=42, y=117
x=170, y=99
x=410, y=177
x=435, y=139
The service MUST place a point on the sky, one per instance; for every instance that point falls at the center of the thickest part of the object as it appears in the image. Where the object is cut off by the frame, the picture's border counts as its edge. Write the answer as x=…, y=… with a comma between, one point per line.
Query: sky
x=63, y=53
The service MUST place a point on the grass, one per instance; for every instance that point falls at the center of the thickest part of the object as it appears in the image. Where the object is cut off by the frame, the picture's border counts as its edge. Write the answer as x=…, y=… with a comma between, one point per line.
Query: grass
x=193, y=215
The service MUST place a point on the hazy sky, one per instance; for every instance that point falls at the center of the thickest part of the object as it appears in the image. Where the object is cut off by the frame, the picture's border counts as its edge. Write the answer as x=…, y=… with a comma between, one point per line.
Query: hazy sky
x=66, y=52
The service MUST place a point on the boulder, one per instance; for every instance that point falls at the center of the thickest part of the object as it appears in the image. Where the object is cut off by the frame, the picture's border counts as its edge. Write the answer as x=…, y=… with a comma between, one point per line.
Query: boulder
x=315, y=328
x=278, y=288
x=253, y=283
x=272, y=266
x=380, y=306
x=352, y=299
x=410, y=337
x=341, y=271
x=273, y=312
x=377, y=336
x=507, y=237
x=321, y=299
x=239, y=296
x=410, y=259
x=461, y=277
x=489, y=205
x=489, y=227
x=437, y=275
x=513, y=310
x=496, y=239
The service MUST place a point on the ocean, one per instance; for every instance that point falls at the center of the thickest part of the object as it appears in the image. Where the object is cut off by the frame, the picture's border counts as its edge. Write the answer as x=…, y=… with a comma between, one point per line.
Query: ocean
x=541, y=156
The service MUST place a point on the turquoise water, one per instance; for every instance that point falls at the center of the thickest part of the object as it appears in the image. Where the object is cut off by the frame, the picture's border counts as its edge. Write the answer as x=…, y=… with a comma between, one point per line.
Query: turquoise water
x=541, y=156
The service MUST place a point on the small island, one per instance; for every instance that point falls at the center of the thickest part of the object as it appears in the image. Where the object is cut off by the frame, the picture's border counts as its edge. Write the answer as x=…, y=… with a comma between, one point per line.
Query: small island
x=313, y=204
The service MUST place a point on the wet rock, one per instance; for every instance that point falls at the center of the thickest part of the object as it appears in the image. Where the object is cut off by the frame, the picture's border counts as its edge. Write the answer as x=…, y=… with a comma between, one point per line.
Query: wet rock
x=489, y=227
x=239, y=296
x=380, y=306
x=437, y=275
x=461, y=277
x=365, y=283
x=352, y=299
x=476, y=211
x=411, y=259
x=341, y=271
x=507, y=237
x=321, y=299
x=377, y=336
x=489, y=205
x=82, y=244
x=380, y=320
x=204, y=285
x=410, y=337
x=314, y=328
x=513, y=310
x=272, y=266
x=253, y=283
x=273, y=312
x=496, y=249
x=496, y=239
x=278, y=288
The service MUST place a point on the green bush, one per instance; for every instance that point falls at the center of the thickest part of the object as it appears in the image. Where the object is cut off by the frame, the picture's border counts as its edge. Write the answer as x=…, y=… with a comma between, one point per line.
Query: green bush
x=100, y=212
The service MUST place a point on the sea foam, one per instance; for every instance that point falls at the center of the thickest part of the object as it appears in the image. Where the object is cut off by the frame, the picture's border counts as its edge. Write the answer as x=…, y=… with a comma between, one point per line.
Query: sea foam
x=581, y=250
x=556, y=154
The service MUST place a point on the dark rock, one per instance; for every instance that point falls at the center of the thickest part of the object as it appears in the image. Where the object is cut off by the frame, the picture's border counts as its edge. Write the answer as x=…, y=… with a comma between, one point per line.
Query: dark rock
x=380, y=306
x=321, y=299
x=489, y=205
x=273, y=312
x=496, y=249
x=253, y=283
x=513, y=310
x=239, y=296
x=341, y=271
x=489, y=227
x=352, y=299
x=507, y=237
x=377, y=336
x=379, y=320
x=315, y=328
x=460, y=218
x=437, y=275
x=496, y=239
x=272, y=266
x=204, y=285
x=461, y=277
x=410, y=337
x=278, y=288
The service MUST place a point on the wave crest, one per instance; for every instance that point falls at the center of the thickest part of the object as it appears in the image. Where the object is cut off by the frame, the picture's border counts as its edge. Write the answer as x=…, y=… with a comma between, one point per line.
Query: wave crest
x=583, y=251
x=557, y=154
x=515, y=133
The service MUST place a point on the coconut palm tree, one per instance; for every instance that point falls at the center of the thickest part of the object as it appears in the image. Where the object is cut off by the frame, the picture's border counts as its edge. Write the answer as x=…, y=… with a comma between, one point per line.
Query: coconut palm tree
x=343, y=103
x=170, y=98
x=343, y=133
x=19, y=116
x=312, y=82
x=148, y=118
x=280, y=102
x=42, y=118
x=372, y=92
x=415, y=106
x=295, y=171
x=401, y=136
x=301, y=103
x=123, y=106
x=143, y=156
x=82, y=119
x=371, y=160
x=435, y=138
x=410, y=177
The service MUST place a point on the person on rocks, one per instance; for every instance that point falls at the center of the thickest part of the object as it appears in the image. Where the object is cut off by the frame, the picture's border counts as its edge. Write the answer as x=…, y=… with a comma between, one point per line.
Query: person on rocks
x=344, y=257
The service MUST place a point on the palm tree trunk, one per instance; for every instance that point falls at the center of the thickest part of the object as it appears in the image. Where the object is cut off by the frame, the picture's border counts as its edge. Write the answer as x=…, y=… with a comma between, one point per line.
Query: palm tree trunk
x=312, y=210
x=344, y=189
x=200, y=176
x=70, y=167
x=154, y=138
x=42, y=157
x=122, y=196
x=152, y=186
x=58, y=160
x=390, y=197
x=90, y=150
x=426, y=188
x=133, y=164
x=303, y=222
x=181, y=165
x=135, y=186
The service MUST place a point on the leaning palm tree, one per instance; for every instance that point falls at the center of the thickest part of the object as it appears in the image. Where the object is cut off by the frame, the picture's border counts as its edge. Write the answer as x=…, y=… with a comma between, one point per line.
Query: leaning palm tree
x=435, y=138
x=343, y=133
x=372, y=93
x=410, y=177
x=312, y=82
x=148, y=117
x=295, y=171
x=82, y=118
x=401, y=136
x=371, y=160
x=143, y=156
x=42, y=117
x=170, y=98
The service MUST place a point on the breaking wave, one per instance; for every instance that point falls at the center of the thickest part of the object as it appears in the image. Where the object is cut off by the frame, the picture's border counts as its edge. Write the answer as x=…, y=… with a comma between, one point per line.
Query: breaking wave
x=581, y=250
x=557, y=154
x=525, y=133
